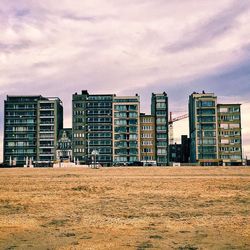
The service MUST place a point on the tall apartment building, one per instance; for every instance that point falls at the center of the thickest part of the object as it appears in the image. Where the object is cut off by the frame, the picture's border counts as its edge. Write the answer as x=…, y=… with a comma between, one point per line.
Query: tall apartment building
x=99, y=128
x=203, y=129
x=92, y=127
x=31, y=125
x=229, y=126
x=126, y=129
x=79, y=128
x=147, y=134
x=159, y=109
x=49, y=123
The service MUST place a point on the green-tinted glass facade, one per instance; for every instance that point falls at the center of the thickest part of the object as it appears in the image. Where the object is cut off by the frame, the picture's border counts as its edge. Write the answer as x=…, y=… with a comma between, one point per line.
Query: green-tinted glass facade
x=26, y=133
x=203, y=128
x=159, y=109
x=92, y=128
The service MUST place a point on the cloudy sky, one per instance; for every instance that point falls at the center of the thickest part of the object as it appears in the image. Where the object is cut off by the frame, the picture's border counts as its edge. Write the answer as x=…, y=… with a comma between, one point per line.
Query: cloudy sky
x=126, y=47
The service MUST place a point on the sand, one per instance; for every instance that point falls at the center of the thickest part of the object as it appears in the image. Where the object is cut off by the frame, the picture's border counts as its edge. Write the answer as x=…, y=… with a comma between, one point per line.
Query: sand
x=125, y=208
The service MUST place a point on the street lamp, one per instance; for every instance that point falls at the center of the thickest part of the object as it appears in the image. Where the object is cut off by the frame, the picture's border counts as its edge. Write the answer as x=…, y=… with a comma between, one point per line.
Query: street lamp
x=95, y=153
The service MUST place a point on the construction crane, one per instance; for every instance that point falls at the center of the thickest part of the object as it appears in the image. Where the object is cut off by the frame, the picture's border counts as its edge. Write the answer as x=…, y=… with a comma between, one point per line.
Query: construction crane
x=171, y=127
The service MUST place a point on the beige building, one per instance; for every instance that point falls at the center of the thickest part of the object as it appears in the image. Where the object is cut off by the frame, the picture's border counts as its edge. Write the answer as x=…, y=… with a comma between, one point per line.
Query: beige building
x=126, y=130
x=230, y=141
x=147, y=135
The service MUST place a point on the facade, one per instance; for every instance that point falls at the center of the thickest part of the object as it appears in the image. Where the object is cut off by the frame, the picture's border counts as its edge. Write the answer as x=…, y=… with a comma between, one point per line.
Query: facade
x=111, y=130
x=99, y=128
x=147, y=134
x=92, y=127
x=126, y=129
x=159, y=109
x=26, y=133
x=185, y=149
x=79, y=125
x=64, y=146
x=203, y=129
x=175, y=152
x=49, y=123
x=180, y=152
x=230, y=141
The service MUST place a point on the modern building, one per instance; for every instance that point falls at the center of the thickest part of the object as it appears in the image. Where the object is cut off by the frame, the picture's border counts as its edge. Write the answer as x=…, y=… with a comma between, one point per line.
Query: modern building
x=159, y=109
x=31, y=128
x=99, y=128
x=126, y=129
x=230, y=141
x=92, y=127
x=203, y=129
x=64, y=146
x=79, y=128
x=175, y=153
x=49, y=123
x=147, y=134
x=185, y=149
x=179, y=153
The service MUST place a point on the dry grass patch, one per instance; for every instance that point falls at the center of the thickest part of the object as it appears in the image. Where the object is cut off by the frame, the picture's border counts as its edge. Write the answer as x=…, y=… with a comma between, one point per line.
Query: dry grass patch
x=125, y=208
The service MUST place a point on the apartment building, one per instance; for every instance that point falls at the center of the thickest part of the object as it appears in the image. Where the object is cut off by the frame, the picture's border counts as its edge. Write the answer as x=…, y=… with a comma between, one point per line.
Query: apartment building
x=79, y=130
x=147, y=134
x=159, y=109
x=99, y=128
x=49, y=123
x=203, y=129
x=230, y=141
x=31, y=125
x=126, y=129
x=92, y=127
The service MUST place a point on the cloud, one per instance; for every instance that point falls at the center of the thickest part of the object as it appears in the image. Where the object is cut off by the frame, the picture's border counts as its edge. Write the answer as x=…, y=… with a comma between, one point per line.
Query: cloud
x=213, y=28
x=124, y=47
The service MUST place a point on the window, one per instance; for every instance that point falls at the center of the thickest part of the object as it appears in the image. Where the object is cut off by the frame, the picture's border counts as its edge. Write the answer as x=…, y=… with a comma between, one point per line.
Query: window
x=207, y=141
x=234, y=125
x=120, y=107
x=133, y=137
x=206, y=111
x=206, y=103
x=147, y=150
x=120, y=159
x=146, y=135
x=121, y=114
x=132, y=122
x=161, y=136
x=120, y=122
x=161, y=151
x=223, y=110
x=206, y=119
x=161, y=113
x=133, y=114
x=211, y=126
x=160, y=105
x=161, y=128
x=147, y=127
x=145, y=143
x=224, y=125
x=162, y=144
x=224, y=141
x=147, y=120
x=133, y=107
x=160, y=120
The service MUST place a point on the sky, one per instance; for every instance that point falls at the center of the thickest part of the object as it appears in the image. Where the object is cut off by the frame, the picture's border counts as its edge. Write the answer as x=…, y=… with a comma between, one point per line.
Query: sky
x=127, y=47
